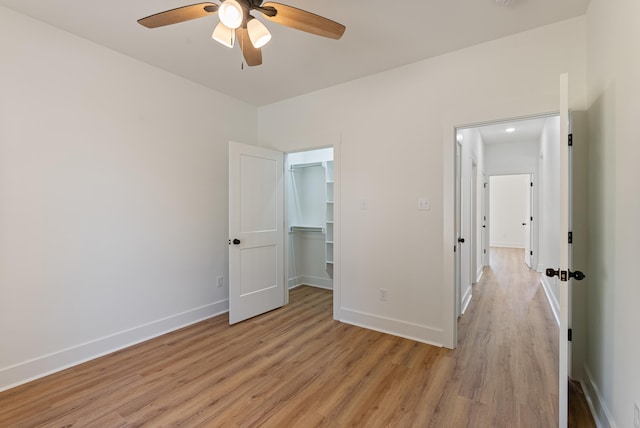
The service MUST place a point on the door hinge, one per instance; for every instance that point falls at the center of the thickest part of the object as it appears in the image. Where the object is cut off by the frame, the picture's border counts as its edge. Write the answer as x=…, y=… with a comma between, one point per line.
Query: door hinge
x=531, y=184
x=484, y=185
x=570, y=237
x=570, y=335
x=485, y=251
x=570, y=140
x=454, y=248
x=531, y=253
x=531, y=218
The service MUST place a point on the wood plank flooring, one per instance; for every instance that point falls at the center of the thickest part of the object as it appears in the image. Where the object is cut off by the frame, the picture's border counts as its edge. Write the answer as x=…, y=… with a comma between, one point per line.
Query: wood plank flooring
x=297, y=367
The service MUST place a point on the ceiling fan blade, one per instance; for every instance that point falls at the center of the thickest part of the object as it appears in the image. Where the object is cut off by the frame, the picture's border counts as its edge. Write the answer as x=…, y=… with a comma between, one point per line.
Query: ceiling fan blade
x=180, y=14
x=251, y=55
x=303, y=20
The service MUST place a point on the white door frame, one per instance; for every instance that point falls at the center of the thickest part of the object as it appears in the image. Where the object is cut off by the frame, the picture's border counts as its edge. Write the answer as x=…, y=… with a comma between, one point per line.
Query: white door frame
x=485, y=219
x=287, y=241
x=458, y=228
x=336, y=226
x=474, y=216
x=451, y=297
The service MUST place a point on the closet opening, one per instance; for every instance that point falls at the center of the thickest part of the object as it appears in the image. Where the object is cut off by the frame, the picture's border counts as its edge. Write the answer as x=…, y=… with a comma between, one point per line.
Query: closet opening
x=309, y=218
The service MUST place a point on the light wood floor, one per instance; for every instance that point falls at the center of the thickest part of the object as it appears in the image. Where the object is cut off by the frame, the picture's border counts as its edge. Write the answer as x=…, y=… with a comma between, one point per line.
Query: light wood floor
x=296, y=367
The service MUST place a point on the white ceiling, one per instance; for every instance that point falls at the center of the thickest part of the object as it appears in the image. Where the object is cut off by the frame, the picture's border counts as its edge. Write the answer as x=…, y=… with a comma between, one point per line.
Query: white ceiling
x=524, y=130
x=295, y=62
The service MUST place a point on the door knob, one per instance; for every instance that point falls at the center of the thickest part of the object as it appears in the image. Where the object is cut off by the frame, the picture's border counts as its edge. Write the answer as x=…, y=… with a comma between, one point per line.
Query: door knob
x=577, y=275
x=236, y=241
x=461, y=240
x=550, y=272
x=483, y=226
x=524, y=224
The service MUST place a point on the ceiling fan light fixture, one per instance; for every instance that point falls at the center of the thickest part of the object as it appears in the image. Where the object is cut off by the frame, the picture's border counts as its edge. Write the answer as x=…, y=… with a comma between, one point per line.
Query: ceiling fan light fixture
x=230, y=13
x=258, y=33
x=224, y=35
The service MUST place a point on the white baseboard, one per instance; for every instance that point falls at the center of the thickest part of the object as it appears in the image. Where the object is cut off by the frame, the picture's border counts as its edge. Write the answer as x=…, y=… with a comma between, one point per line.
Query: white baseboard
x=35, y=368
x=466, y=299
x=479, y=275
x=294, y=282
x=419, y=333
x=599, y=410
x=551, y=298
x=314, y=281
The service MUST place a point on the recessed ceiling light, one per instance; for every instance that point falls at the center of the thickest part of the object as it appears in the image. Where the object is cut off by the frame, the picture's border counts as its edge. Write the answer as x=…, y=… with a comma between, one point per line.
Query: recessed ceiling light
x=509, y=129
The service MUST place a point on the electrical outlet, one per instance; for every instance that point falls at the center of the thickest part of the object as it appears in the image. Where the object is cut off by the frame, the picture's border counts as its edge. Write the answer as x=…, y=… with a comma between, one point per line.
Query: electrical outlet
x=220, y=281
x=383, y=294
x=636, y=415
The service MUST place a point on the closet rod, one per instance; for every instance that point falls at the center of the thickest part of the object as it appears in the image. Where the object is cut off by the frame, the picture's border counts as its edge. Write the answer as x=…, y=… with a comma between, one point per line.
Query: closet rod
x=307, y=229
x=304, y=165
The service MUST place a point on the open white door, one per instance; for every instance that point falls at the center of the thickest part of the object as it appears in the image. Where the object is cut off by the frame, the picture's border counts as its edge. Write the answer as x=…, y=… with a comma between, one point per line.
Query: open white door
x=563, y=372
x=565, y=302
x=256, y=231
x=564, y=272
x=528, y=255
x=483, y=222
x=458, y=227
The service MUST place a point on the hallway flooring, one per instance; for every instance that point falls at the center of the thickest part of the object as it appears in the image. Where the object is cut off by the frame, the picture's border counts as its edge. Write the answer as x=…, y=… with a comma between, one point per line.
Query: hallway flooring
x=297, y=367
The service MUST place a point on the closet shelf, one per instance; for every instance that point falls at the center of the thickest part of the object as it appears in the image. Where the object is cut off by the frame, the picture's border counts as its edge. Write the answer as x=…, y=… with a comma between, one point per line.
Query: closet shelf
x=319, y=229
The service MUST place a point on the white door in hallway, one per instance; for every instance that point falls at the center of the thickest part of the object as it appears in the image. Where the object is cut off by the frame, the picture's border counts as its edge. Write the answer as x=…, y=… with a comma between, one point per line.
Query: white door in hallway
x=256, y=231
x=528, y=227
x=564, y=271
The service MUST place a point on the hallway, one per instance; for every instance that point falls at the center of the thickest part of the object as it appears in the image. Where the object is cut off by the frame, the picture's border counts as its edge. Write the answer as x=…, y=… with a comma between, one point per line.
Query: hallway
x=508, y=346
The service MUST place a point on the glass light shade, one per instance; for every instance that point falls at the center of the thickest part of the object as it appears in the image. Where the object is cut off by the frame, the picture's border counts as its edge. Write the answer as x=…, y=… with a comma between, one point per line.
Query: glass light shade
x=230, y=13
x=224, y=35
x=258, y=33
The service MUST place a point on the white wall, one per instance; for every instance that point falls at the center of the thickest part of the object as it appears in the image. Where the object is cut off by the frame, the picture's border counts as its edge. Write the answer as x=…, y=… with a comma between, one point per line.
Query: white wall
x=508, y=210
x=113, y=182
x=613, y=64
x=397, y=144
x=517, y=157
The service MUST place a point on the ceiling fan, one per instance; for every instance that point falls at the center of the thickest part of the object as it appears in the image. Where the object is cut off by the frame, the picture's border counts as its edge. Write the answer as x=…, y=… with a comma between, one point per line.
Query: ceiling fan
x=237, y=23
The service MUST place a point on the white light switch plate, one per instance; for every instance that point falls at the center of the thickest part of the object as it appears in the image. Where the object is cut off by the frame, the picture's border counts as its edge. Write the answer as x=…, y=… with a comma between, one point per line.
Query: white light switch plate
x=424, y=204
